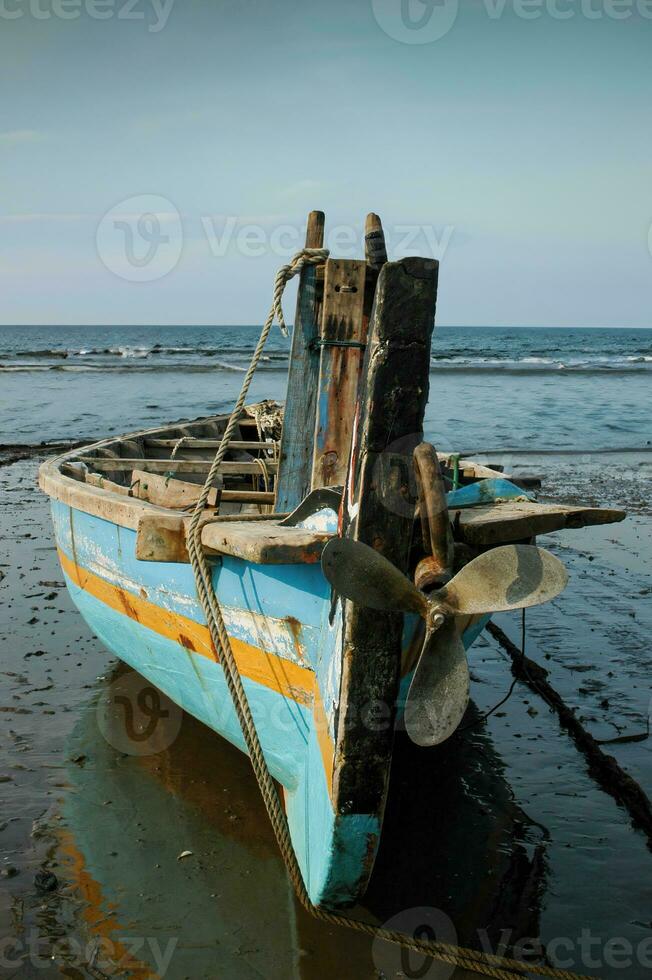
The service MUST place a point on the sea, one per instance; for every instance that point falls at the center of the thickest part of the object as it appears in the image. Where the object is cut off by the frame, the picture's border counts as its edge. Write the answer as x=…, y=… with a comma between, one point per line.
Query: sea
x=491, y=388
x=503, y=833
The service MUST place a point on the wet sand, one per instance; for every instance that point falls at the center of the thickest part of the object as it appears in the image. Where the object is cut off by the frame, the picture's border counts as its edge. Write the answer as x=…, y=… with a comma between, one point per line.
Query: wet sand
x=502, y=829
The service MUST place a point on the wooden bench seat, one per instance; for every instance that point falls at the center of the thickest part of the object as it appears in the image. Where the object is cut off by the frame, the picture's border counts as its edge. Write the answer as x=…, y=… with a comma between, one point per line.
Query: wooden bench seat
x=265, y=544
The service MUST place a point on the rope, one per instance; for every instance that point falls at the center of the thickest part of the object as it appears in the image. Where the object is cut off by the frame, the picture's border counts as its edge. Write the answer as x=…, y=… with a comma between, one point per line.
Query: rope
x=262, y=465
x=177, y=446
x=263, y=470
x=486, y=964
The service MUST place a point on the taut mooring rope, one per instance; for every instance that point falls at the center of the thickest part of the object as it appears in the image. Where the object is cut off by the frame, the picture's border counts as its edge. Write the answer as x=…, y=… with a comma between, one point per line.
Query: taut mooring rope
x=485, y=964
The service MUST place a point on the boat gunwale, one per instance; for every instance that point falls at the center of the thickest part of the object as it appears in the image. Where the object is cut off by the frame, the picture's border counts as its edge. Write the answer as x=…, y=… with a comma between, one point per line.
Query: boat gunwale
x=120, y=509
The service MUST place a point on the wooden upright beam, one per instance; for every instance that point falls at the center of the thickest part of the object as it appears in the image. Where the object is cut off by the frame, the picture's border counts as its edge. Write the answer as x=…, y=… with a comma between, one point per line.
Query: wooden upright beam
x=342, y=353
x=378, y=509
x=297, y=439
x=375, y=252
x=374, y=242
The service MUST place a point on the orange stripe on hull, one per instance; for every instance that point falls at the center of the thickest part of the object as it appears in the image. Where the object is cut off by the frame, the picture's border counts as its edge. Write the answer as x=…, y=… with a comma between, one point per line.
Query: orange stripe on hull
x=282, y=676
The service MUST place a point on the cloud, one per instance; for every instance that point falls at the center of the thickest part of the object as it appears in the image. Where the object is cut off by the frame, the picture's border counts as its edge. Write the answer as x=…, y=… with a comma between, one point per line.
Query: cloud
x=14, y=137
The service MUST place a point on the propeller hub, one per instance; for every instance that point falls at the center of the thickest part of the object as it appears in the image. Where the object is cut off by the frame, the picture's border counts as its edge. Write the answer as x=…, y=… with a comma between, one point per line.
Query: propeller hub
x=436, y=619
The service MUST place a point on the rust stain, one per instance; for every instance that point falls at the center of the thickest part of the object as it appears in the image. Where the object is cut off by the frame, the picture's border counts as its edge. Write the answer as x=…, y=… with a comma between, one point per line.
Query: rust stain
x=294, y=681
x=285, y=677
x=295, y=629
x=129, y=607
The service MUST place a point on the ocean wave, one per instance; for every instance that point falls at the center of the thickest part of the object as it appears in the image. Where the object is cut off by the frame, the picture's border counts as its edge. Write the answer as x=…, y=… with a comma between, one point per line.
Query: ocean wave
x=194, y=358
x=215, y=367
x=543, y=365
x=9, y=368
x=134, y=351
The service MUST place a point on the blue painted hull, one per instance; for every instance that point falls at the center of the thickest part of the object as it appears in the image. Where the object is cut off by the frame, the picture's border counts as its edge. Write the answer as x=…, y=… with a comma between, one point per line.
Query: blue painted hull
x=289, y=654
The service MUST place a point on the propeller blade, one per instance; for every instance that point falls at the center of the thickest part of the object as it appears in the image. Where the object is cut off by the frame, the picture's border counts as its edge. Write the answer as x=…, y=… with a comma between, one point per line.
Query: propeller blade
x=439, y=692
x=361, y=574
x=510, y=577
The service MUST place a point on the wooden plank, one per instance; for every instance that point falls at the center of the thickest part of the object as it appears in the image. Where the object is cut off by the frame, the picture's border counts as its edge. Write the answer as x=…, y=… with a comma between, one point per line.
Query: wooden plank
x=379, y=510
x=265, y=545
x=168, y=492
x=95, y=480
x=510, y=521
x=206, y=444
x=235, y=468
x=162, y=537
x=339, y=370
x=297, y=440
x=471, y=470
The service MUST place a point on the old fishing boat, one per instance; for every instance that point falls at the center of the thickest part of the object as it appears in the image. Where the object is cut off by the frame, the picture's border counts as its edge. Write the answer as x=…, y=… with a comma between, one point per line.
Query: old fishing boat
x=352, y=565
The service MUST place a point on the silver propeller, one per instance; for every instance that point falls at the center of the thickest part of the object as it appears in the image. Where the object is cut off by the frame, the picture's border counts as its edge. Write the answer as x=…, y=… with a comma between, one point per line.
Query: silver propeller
x=510, y=577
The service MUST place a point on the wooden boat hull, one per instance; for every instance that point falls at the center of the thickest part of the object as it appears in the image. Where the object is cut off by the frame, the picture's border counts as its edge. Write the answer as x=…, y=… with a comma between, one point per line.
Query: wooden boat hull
x=289, y=655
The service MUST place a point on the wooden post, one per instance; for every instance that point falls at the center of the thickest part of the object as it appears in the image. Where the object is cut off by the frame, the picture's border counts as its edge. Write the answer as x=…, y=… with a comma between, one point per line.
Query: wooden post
x=342, y=353
x=375, y=249
x=378, y=509
x=297, y=439
x=376, y=256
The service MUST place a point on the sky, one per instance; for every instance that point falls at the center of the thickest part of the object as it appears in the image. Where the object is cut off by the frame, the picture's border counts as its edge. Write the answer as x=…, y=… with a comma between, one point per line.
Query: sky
x=158, y=158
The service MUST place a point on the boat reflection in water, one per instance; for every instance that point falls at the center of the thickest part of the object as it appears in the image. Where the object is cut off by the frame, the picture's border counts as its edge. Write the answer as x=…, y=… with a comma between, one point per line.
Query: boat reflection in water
x=149, y=783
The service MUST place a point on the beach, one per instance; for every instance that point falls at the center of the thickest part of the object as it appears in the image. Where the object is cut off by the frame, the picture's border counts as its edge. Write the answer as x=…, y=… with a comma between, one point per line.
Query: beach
x=118, y=862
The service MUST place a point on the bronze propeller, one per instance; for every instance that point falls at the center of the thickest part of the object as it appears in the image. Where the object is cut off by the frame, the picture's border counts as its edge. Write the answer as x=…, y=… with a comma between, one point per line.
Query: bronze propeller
x=510, y=577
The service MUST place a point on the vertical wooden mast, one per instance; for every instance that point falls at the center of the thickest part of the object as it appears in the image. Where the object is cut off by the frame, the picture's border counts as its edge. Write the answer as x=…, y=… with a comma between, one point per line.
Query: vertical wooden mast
x=297, y=441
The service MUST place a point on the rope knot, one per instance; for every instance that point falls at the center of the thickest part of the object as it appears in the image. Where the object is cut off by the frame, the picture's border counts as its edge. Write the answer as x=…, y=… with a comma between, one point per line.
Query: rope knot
x=307, y=256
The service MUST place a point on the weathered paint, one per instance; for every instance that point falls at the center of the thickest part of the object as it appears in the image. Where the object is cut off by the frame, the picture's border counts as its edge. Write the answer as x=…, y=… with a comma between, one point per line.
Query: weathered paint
x=289, y=655
x=148, y=615
x=339, y=369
